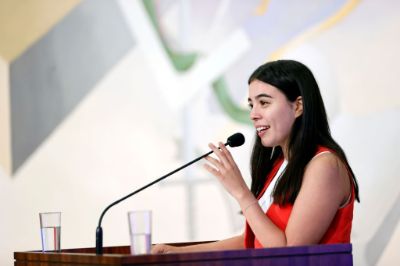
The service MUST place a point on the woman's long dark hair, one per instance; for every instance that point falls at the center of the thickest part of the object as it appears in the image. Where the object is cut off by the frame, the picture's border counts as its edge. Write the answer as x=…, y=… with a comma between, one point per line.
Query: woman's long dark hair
x=309, y=131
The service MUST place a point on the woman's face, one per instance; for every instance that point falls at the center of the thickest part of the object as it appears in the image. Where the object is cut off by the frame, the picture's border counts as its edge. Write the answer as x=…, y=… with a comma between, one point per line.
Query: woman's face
x=272, y=113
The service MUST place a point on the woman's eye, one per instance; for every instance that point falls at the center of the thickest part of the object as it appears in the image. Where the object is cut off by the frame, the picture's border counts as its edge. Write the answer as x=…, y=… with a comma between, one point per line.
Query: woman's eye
x=264, y=103
x=250, y=106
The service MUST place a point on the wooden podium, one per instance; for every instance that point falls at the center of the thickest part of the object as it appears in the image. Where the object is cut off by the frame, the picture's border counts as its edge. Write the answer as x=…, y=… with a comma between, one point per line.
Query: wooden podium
x=326, y=255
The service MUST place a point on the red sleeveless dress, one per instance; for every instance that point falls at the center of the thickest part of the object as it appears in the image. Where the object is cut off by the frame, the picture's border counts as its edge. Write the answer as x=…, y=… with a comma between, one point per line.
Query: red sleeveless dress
x=338, y=232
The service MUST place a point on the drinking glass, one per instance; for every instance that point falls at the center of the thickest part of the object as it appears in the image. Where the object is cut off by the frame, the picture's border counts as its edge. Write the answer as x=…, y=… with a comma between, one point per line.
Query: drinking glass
x=50, y=229
x=140, y=231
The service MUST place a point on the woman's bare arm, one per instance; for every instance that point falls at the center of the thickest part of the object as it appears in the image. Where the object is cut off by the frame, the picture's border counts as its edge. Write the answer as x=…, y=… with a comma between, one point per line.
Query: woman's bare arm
x=236, y=242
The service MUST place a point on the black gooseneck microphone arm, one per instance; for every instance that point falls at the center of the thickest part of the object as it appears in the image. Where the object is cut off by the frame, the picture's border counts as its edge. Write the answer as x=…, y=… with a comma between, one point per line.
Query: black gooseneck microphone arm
x=233, y=141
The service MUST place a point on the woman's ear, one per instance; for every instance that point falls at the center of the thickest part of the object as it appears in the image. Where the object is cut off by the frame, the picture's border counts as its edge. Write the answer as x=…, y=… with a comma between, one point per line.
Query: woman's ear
x=298, y=106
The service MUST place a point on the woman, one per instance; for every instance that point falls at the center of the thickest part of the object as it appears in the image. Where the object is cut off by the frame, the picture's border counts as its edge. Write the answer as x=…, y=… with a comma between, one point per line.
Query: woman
x=303, y=189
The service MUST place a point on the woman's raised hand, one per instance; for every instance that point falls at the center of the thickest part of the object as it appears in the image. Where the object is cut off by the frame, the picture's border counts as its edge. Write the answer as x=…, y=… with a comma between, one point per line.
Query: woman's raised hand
x=226, y=170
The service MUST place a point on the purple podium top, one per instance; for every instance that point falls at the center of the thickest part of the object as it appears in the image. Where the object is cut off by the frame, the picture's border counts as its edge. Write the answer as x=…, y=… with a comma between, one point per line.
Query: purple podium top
x=326, y=255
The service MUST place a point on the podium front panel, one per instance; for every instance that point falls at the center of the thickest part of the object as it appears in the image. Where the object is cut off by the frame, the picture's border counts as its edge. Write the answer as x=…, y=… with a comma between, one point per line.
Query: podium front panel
x=326, y=255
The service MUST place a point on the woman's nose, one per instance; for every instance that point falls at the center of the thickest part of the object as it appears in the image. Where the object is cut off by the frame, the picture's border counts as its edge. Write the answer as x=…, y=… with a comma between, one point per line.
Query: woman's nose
x=254, y=114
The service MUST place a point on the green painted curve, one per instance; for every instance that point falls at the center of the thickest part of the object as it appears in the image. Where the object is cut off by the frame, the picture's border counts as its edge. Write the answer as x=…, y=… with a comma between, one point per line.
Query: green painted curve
x=181, y=61
x=184, y=61
x=238, y=114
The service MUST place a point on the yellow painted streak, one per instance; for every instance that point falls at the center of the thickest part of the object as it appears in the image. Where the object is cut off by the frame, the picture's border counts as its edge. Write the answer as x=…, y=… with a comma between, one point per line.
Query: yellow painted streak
x=24, y=22
x=5, y=125
x=332, y=20
x=261, y=9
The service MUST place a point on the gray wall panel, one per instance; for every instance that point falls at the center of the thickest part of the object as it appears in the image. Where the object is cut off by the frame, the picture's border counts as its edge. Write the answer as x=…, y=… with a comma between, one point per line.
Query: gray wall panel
x=51, y=77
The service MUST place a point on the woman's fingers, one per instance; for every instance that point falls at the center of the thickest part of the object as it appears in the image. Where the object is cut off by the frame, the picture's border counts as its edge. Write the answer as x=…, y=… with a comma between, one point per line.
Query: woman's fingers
x=221, y=154
x=160, y=249
x=213, y=161
x=212, y=170
x=224, y=163
x=227, y=153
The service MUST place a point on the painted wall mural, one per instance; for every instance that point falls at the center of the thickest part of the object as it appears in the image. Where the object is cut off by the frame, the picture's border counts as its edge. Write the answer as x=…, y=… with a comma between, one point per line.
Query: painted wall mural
x=98, y=98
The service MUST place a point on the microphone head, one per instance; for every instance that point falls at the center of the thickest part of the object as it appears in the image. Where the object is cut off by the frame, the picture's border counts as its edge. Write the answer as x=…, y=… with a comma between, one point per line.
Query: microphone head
x=235, y=140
